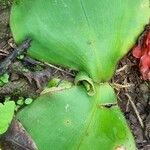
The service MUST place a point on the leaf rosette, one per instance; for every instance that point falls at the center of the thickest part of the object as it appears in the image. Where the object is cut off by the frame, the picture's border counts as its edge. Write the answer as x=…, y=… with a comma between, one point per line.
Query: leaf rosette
x=89, y=36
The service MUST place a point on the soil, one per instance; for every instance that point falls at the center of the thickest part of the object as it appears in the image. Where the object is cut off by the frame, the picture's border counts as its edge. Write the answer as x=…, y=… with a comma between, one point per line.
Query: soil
x=134, y=99
x=133, y=92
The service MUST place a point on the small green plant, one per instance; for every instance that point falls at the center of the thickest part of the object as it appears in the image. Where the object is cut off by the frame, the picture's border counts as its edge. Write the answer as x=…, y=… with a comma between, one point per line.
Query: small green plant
x=28, y=101
x=89, y=36
x=20, y=57
x=23, y=101
x=20, y=101
x=54, y=82
x=4, y=79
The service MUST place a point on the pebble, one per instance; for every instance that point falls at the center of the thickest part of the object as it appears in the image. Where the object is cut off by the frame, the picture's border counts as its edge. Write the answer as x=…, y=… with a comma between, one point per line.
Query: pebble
x=133, y=119
x=140, y=108
x=147, y=147
x=144, y=88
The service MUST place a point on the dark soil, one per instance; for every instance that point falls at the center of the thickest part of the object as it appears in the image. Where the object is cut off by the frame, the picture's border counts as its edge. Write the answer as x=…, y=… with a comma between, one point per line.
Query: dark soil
x=134, y=99
x=133, y=92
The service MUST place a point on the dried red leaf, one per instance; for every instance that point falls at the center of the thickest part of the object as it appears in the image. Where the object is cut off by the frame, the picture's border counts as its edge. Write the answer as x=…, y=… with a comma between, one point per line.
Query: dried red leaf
x=142, y=52
x=137, y=52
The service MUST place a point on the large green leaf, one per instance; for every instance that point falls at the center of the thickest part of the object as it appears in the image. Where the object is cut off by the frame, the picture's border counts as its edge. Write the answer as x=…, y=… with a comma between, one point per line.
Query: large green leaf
x=85, y=35
x=70, y=120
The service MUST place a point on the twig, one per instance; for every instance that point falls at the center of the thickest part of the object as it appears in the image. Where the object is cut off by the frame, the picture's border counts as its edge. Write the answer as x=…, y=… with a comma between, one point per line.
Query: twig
x=57, y=68
x=135, y=110
x=12, y=56
x=3, y=54
x=119, y=86
x=3, y=51
x=121, y=69
x=127, y=106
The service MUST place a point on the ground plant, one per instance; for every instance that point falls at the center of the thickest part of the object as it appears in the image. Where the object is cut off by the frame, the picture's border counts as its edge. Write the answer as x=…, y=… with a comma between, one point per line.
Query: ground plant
x=88, y=37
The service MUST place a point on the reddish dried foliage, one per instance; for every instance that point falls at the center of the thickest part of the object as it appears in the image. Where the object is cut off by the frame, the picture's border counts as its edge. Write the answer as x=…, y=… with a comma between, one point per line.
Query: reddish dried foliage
x=142, y=51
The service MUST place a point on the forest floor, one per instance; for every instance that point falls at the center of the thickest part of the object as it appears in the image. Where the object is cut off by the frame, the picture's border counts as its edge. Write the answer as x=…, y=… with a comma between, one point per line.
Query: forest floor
x=28, y=77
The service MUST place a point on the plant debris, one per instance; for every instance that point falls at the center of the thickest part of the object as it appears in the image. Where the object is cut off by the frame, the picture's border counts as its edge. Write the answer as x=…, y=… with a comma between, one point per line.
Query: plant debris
x=12, y=56
x=134, y=100
x=142, y=52
x=16, y=138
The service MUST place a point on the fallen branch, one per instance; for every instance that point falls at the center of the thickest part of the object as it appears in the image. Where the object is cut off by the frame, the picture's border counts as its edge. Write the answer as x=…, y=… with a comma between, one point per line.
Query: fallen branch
x=12, y=56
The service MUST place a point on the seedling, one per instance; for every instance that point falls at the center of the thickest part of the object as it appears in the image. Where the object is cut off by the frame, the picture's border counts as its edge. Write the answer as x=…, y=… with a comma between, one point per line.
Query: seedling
x=12, y=56
x=4, y=79
x=28, y=101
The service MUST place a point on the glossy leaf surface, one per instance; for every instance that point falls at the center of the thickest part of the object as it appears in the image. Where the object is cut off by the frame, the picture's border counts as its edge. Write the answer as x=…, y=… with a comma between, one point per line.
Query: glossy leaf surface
x=85, y=35
x=71, y=120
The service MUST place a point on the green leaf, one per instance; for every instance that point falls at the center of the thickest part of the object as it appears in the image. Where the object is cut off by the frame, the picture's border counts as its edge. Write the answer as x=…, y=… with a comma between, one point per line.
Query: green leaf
x=70, y=119
x=82, y=78
x=20, y=101
x=1, y=83
x=6, y=115
x=84, y=35
x=53, y=82
x=28, y=101
x=4, y=79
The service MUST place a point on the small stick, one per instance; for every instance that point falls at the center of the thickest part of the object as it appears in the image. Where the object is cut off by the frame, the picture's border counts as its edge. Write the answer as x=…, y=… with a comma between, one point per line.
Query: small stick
x=3, y=51
x=119, y=86
x=135, y=110
x=3, y=54
x=12, y=56
x=59, y=69
x=121, y=69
